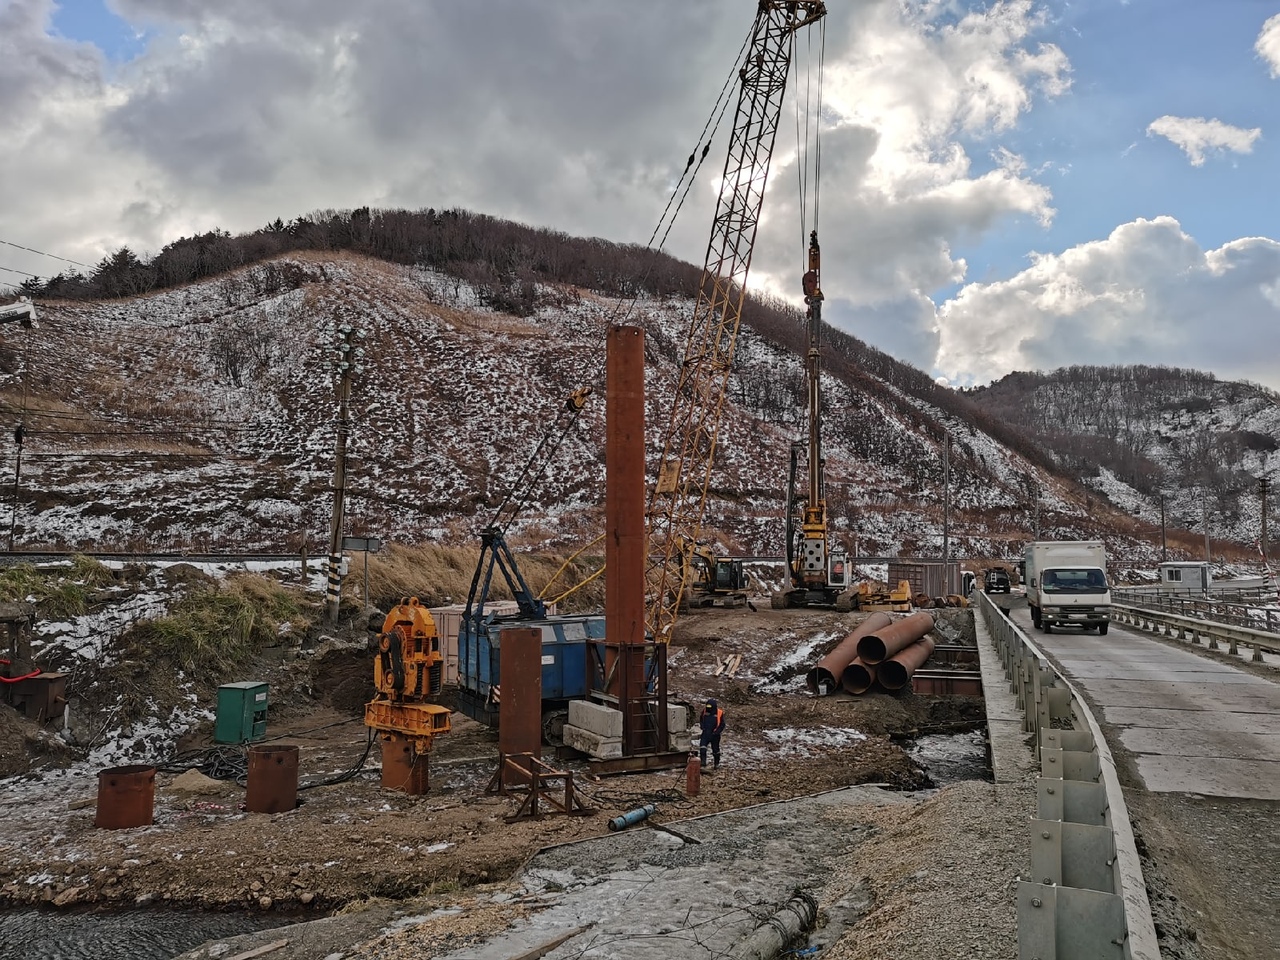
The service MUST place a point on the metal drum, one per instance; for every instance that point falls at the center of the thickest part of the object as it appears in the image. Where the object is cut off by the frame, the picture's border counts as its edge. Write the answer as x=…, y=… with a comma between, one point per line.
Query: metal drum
x=126, y=797
x=273, y=779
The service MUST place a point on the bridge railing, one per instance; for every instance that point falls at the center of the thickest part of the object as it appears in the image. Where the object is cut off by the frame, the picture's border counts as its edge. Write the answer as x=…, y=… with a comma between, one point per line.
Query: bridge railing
x=1086, y=898
x=1257, y=616
x=1195, y=629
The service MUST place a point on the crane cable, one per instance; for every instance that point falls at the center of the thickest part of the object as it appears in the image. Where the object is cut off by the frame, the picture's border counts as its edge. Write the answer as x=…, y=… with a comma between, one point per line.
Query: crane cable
x=811, y=98
x=503, y=517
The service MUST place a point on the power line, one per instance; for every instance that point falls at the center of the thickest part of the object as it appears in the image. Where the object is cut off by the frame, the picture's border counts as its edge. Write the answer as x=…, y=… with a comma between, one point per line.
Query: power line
x=34, y=276
x=51, y=256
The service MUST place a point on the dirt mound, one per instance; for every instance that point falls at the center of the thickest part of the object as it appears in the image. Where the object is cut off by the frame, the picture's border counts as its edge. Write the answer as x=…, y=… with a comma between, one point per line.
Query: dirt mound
x=24, y=743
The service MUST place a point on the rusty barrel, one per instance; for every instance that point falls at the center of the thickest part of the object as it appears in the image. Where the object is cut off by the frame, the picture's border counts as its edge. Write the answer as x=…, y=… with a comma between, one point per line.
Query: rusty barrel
x=403, y=768
x=828, y=671
x=894, y=673
x=126, y=797
x=857, y=677
x=883, y=644
x=273, y=779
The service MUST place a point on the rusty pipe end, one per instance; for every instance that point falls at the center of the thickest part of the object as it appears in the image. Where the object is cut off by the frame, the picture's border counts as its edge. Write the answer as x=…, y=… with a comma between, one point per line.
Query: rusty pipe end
x=821, y=681
x=858, y=677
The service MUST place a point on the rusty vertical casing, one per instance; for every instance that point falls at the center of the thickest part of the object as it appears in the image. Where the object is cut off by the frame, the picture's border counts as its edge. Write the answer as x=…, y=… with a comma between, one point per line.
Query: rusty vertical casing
x=272, y=786
x=625, y=551
x=857, y=677
x=692, y=776
x=126, y=797
x=894, y=673
x=403, y=768
x=520, y=709
x=830, y=668
x=883, y=644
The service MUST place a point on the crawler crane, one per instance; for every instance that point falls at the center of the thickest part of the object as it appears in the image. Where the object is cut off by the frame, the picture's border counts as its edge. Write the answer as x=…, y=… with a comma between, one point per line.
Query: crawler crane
x=678, y=500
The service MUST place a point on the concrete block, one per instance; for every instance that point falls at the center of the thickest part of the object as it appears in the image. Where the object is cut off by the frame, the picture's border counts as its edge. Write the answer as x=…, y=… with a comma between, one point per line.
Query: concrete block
x=591, y=743
x=595, y=717
x=677, y=718
x=680, y=741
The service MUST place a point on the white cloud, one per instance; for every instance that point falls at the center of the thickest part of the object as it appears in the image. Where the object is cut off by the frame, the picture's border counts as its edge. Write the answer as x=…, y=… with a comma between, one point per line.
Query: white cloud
x=1196, y=135
x=1268, y=45
x=1146, y=294
x=575, y=117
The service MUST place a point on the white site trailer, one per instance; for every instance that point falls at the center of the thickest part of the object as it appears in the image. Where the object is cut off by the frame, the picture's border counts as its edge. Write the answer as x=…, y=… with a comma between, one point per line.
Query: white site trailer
x=1178, y=576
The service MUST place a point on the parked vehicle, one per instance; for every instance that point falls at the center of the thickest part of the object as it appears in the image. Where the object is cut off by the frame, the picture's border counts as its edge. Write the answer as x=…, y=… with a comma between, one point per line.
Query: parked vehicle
x=1066, y=584
x=996, y=580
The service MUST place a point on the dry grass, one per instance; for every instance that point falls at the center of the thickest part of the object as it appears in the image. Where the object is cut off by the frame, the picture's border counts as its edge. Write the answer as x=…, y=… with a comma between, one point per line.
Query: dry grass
x=439, y=575
x=210, y=631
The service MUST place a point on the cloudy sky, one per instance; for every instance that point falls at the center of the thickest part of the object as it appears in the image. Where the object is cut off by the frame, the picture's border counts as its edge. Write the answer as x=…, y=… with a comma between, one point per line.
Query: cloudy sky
x=1013, y=184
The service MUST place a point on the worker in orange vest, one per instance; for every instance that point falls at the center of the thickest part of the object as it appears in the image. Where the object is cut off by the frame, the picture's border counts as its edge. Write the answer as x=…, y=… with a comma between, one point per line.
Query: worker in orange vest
x=712, y=721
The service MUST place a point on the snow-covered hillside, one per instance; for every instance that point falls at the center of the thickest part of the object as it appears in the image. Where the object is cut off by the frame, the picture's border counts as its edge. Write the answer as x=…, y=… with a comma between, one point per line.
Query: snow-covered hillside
x=204, y=418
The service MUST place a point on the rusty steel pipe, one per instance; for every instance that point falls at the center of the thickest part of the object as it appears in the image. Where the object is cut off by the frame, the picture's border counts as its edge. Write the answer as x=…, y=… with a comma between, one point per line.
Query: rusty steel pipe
x=894, y=673
x=884, y=644
x=828, y=671
x=857, y=677
x=625, y=550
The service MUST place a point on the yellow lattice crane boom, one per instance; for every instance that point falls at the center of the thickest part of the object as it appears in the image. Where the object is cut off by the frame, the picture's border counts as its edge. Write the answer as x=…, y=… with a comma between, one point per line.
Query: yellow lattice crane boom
x=678, y=499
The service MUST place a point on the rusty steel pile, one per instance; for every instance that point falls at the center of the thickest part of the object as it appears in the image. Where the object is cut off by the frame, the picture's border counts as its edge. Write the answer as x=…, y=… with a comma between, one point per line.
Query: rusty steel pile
x=880, y=650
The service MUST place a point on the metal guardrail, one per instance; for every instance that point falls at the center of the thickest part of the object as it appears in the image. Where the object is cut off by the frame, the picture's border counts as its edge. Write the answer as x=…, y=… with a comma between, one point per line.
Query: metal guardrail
x=1087, y=899
x=1194, y=628
x=1254, y=615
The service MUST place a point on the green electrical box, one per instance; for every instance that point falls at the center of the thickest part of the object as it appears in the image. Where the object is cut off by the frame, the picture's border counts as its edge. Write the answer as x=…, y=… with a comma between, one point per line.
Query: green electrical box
x=242, y=712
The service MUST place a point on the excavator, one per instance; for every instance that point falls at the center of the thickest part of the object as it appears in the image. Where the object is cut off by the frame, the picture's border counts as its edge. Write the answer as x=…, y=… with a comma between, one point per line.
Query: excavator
x=711, y=580
x=818, y=571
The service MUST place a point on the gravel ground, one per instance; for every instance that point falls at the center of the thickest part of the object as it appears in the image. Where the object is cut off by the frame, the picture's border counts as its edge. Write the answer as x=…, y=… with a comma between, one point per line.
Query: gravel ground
x=896, y=876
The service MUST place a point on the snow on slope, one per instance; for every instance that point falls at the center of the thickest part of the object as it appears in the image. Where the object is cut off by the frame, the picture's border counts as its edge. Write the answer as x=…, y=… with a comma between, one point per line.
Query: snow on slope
x=205, y=418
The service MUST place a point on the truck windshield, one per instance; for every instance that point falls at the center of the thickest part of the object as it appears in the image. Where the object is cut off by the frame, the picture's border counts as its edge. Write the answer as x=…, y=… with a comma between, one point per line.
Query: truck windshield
x=1068, y=580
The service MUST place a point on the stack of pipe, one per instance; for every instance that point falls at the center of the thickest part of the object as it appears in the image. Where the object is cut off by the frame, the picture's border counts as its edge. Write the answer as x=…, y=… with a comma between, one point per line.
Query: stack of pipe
x=890, y=655
x=824, y=678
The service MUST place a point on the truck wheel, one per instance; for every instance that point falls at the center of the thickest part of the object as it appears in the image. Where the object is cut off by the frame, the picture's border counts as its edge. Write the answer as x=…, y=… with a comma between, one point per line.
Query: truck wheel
x=1035, y=617
x=1102, y=629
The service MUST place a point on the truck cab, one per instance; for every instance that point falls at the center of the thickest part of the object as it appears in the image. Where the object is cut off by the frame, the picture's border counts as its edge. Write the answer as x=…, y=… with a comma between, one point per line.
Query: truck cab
x=1067, y=585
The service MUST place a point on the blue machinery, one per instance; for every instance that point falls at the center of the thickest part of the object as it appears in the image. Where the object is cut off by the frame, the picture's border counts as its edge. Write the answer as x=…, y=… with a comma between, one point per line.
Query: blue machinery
x=575, y=661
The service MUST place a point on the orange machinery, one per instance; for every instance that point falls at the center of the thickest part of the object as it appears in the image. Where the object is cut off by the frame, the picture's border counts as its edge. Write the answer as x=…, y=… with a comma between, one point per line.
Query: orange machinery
x=407, y=671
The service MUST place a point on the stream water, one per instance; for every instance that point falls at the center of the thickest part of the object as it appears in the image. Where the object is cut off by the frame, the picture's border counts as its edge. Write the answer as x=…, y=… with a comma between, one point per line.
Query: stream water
x=952, y=757
x=144, y=934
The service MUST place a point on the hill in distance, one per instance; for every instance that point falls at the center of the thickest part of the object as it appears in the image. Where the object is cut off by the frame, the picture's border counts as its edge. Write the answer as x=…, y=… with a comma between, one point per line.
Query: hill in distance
x=189, y=403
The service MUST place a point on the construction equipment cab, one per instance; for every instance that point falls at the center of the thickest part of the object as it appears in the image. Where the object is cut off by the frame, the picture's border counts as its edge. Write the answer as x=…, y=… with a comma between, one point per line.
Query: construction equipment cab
x=713, y=579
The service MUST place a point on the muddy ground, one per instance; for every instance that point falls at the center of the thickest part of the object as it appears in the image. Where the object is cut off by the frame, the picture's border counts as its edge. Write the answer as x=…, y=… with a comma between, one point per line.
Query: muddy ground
x=352, y=840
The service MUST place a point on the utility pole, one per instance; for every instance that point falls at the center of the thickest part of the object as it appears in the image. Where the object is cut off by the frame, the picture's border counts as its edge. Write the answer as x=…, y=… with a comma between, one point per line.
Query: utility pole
x=23, y=312
x=1204, y=512
x=1264, y=489
x=946, y=497
x=1164, y=545
x=348, y=365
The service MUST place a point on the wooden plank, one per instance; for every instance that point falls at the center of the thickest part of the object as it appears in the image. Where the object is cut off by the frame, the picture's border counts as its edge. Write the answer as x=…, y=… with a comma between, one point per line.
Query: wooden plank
x=260, y=951
x=537, y=953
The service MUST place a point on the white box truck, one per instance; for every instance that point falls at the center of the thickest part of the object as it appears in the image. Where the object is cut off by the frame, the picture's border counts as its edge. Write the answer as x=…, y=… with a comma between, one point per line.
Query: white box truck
x=1067, y=585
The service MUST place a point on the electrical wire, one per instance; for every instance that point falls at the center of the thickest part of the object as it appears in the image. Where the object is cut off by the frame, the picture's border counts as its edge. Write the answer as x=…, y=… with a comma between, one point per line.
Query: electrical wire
x=525, y=480
x=51, y=256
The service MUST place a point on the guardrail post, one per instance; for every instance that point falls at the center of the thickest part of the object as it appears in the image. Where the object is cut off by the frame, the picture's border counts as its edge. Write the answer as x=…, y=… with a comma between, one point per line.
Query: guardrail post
x=1234, y=649
x=1257, y=652
x=1213, y=642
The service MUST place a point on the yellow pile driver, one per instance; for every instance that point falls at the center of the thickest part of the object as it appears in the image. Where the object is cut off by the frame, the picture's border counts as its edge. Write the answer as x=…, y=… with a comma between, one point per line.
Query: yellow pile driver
x=407, y=671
